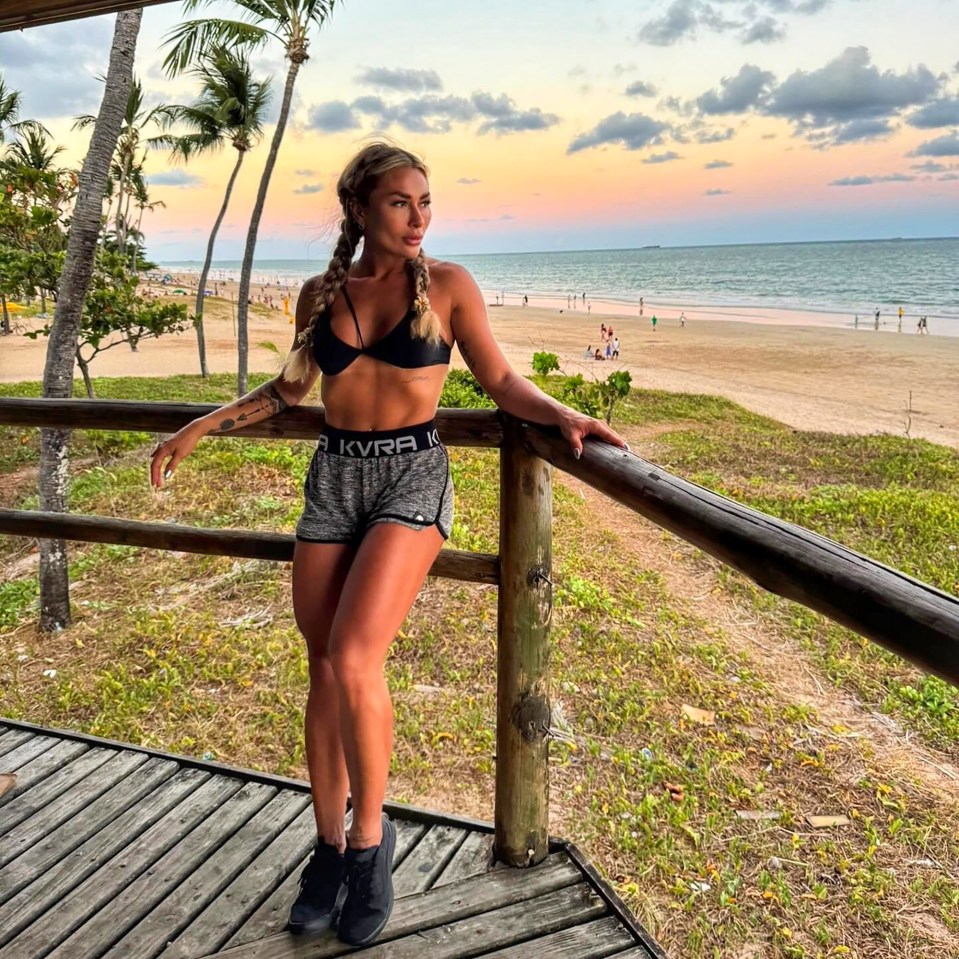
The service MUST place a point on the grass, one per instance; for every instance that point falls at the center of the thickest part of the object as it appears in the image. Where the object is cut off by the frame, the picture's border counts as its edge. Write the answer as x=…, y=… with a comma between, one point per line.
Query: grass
x=200, y=655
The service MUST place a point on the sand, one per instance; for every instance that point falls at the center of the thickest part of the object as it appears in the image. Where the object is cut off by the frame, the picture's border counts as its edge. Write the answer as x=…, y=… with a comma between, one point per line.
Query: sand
x=784, y=365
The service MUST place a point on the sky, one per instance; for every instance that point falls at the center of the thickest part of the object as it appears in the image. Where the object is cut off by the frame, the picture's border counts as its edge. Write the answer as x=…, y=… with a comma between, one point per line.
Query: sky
x=554, y=125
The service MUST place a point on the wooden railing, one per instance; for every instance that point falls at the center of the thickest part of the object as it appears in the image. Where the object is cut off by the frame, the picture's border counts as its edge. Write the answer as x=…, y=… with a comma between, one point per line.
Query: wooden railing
x=908, y=617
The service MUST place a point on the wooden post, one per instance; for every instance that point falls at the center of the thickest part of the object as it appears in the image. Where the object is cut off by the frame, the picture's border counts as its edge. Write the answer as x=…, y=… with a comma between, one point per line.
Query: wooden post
x=525, y=602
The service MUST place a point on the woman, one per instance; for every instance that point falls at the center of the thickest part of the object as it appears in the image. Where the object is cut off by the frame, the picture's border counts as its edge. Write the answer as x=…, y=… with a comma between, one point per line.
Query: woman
x=378, y=499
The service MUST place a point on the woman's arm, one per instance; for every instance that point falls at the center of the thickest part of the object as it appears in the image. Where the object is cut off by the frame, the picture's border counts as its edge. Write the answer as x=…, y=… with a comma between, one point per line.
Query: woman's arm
x=259, y=404
x=511, y=392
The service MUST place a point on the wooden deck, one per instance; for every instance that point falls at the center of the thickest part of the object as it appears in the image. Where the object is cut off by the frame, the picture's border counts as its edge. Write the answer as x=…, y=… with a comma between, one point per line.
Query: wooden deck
x=110, y=850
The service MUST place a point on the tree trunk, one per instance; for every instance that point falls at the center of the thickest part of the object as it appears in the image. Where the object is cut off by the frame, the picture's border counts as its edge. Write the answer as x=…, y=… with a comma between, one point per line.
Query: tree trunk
x=43, y=302
x=242, y=339
x=6, y=314
x=85, y=370
x=205, y=272
x=73, y=286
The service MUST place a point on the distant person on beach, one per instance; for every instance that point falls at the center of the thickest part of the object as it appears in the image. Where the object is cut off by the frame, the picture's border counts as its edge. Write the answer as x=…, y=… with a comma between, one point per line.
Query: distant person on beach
x=569, y=301
x=900, y=314
x=616, y=348
x=877, y=319
x=923, y=326
x=609, y=350
x=597, y=355
x=602, y=330
x=525, y=300
x=682, y=319
x=378, y=499
x=589, y=350
x=640, y=306
x=654, y=322
x=855, y=322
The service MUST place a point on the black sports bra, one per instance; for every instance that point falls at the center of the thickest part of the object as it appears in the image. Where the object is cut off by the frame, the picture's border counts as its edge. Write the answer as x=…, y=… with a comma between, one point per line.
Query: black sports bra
x=398, y=347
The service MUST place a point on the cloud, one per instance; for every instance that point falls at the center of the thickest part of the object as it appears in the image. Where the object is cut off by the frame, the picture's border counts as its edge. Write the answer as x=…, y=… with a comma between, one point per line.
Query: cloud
x=764, y=30
x=305, y=172
x=502, y=116
x=737, y=94
x=718, y=165
x=468, y=180
x=931, y=166
x=939, y=113
x=838, y=99
x=33, y=62
x=944, y=146
x=175, y=178
x=309, y=188
x=434, y=114
x=334, y=116
x=634, y=131
x=869, y=180
x=683, y=19
x=716, y=192
x=506, y=216
x=408, y=80
x=715, y=136
x=662, y=157
x=641, y=89
x=948, y=176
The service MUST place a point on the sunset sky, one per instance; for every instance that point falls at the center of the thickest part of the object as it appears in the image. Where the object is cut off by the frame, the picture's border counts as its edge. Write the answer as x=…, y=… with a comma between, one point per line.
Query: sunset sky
x=561, y=126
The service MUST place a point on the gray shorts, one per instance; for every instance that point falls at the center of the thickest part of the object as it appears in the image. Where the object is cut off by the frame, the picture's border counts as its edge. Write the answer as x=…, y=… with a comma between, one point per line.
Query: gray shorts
x=359, y=478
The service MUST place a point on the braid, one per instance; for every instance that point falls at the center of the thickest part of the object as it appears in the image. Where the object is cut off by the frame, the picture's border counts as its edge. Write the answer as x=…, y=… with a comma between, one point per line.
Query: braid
x=426, y=326
x=331, y=282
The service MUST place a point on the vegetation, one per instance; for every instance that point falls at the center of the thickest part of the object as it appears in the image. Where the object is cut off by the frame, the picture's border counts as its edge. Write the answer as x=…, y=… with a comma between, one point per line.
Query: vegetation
x=686, y=752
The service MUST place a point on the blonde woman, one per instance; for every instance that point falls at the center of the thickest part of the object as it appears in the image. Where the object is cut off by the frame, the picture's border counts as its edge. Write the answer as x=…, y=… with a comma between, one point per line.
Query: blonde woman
x=378, y=500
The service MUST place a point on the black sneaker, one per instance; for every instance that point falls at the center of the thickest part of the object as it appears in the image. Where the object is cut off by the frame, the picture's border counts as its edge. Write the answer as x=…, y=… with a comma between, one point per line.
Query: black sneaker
x=320, y=884
x=369, y=897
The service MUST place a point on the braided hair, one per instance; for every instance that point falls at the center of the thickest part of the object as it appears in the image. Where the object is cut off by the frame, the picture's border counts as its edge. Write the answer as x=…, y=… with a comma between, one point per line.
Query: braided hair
x=356, y=183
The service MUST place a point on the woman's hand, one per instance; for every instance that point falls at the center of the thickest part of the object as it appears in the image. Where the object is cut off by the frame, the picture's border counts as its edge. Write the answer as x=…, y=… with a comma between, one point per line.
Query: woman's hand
x=176, y=448
x=577, y=426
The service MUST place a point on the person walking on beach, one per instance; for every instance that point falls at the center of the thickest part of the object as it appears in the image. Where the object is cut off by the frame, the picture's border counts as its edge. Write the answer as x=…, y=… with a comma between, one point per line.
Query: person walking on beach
x=525, y=301
x=654, y=322
x=640, y=306
x=378, y=499
x=877, y=319
x=923, y=326
x=682, y=319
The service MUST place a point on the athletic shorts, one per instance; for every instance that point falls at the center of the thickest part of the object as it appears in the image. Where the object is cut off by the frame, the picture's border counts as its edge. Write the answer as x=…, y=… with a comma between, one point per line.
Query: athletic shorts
x=359, y=478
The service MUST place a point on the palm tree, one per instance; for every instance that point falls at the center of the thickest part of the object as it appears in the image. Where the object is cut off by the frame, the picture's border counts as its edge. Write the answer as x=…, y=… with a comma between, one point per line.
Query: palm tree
x=73, y=286
x=290, y=22
x=135, y=122
x=230, y=109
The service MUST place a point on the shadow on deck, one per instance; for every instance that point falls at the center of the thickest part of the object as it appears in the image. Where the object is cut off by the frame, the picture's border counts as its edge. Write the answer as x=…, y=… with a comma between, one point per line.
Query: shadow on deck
x=115, y=851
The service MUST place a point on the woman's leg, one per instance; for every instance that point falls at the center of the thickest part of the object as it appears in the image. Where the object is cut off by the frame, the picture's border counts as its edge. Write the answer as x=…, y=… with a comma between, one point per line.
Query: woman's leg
x=319, y=571
x=383, y=581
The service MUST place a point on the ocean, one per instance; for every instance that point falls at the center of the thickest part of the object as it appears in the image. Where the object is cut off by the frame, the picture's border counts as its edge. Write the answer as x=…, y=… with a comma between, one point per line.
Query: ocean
x=837, y=279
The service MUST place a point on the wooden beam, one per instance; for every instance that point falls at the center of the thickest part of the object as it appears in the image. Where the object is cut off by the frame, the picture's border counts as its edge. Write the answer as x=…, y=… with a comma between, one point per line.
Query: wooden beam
x=450, y=564
x=910, y=618
x=476, y=428
x=18, y=14
x=522, y=660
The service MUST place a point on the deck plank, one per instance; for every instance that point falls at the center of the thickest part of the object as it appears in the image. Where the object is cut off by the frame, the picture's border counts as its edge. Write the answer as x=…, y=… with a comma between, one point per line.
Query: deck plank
x=54, y=884
x=408, y=834
x=67, y=805
x=450, y=938
x=44, y=765
x=40, y=846
x=470, y=897
x=473, y=858
x=10, y=739
x=418, y=870
x=114, y=876
x=184, y=905
x=132, y=903
x=29, y=749
x=28, y=804
x=231, y=910
x=592, y=940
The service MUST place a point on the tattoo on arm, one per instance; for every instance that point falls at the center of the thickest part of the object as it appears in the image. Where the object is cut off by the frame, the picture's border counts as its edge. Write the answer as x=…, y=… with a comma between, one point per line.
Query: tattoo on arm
x=467, y=353
x=265, y=398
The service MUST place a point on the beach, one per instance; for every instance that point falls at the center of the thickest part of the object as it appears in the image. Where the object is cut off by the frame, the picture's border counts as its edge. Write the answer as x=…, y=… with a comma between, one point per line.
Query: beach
x=781, y=363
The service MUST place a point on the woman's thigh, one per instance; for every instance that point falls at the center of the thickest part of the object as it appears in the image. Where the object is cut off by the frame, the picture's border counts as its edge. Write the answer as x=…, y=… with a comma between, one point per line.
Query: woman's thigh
x=319, y=572
x=383, y=581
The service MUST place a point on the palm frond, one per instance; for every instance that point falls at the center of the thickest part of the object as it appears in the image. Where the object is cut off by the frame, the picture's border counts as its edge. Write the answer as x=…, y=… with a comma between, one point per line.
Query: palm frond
x=190, y=39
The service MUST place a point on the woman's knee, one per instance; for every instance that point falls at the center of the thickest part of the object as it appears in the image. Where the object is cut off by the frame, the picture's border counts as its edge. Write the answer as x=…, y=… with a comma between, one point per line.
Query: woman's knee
x=353, y=668
x=321, y=666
